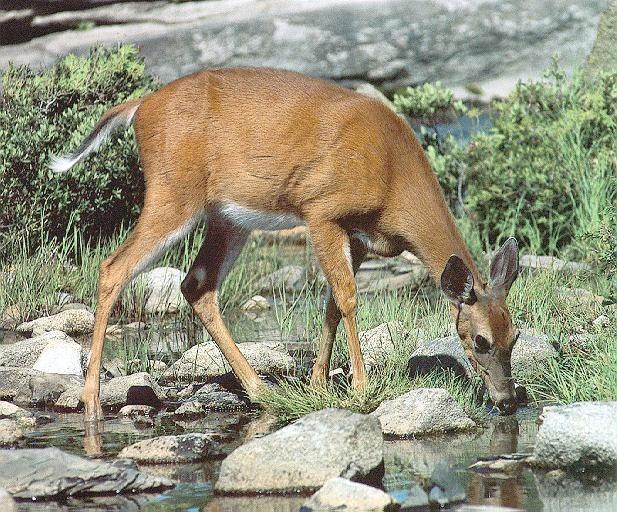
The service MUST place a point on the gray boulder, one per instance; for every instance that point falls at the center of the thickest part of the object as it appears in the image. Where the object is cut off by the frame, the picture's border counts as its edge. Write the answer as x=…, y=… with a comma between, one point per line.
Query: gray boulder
x=531, y=355
x=162, y=289
x=50, y=473
x=172, y=449
x=12, y=379
x=446, y=352
x=304, y=455
x=291, y=278
x=345, y=495
x=422, y=411
x=379, y=342
x=579, y=435
x=25, y=353
x=10, y=433
x=72, y=321
x=41, y=389
x=205, y=361
x=135, y=389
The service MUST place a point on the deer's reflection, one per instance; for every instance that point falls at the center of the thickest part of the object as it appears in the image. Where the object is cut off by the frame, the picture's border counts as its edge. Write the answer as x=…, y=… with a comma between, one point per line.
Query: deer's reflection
x=93, y=438
x=502, y=489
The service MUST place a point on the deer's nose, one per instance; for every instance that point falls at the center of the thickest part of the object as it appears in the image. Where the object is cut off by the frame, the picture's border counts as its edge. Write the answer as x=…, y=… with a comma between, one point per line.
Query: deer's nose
x=507, y=406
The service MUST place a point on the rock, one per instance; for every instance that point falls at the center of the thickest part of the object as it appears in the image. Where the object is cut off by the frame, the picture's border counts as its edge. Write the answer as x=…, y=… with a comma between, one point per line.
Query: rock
x=304, y=455
x=61, y=357
x=135, y=389
x=132, y=411
x=579, y=296
x=603, y=54
x=12, y=379
x=502, y=465
x=74, y=305
x=379, y=274
x=205, y=361
x=290, y=278
x=446, y=487
x=403, y=41
x=531, y=356
x=24, y=354
x=579, y=435
x=422, y=411
x=442, y=353
x=7, y=504
x=379, y=342
x=172, y=449
x=190, y=409
x=51, y=473
x=162, y=289
x=413, y=497
x=532, y=262
x=10, y=434
x=13, y=412
x=65, y=298
x=256, y=304
x=372, y=92
x=72, y=321
x=601, y=321
x=40, y=389
x=342, y=494
x=214, y=397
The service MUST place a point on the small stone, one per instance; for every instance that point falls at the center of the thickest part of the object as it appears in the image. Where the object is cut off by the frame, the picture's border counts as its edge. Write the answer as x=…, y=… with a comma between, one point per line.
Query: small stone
x=172, y=449
x=191, y=409
x=422, y=411
x=73, y=321
x=379, y=342
x=342, y=494
x=256, y=304
x=11, y=411
x=132, y=411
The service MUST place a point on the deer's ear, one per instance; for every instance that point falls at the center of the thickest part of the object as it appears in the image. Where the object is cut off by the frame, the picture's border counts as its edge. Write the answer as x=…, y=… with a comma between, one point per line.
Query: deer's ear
x=457, y=282
x=504, y=267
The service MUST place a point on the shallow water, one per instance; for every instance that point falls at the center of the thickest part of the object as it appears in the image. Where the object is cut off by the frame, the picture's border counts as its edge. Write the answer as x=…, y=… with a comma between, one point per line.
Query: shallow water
x=406, y=462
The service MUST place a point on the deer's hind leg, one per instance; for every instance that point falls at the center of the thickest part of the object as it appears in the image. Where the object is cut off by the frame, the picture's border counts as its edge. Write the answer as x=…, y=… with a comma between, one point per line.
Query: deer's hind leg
x=219, y=251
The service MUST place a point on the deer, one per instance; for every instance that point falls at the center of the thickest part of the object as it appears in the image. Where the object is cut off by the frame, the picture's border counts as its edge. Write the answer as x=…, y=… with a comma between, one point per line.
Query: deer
x=256, y=148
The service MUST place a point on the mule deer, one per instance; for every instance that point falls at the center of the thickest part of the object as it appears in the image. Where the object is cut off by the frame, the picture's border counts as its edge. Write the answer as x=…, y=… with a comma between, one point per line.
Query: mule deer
x=264, y=149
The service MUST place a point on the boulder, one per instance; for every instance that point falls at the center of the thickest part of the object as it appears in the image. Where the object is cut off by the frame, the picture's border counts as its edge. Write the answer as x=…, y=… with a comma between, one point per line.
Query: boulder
x=135, y=389
x=51, y=473
x=213, y=397
x=345, y=495
x=40, y=389
x=10, y=433
x=533, y=262
x=442, y=353
x=61, y=357
x=172, y=449
x=379, y=342
x=132, y=411
x=205, y=361
x=290, y=278
x=422, y=411
x=12, y=411
x=531, y=356
x=12, y=379
x=25, y=353
x=304, y=455
x=579, y=435
x=190, y=409
x=71, y=321
x=162, y=289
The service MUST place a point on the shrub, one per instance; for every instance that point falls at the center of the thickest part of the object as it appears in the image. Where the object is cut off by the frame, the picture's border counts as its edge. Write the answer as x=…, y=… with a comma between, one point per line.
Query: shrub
x=427, y=100
x=50, y=112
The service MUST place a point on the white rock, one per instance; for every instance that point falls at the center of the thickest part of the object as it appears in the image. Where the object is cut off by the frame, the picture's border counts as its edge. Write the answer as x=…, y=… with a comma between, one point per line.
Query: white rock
x=25, y=353
x=346, y=496
x=72, y=321
x=62, y=357
x=162, y=289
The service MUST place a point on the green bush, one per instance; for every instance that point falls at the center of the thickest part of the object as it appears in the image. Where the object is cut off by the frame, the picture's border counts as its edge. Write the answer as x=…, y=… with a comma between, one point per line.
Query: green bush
x=50, y=112
x=427, y=101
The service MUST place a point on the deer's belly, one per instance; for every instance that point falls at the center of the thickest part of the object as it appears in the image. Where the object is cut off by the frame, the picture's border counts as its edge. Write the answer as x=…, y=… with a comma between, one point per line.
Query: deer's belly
x=250, y=219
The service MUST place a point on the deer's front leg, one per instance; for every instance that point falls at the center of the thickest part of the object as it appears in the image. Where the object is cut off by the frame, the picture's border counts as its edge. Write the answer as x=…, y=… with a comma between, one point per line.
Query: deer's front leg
x=332, y=247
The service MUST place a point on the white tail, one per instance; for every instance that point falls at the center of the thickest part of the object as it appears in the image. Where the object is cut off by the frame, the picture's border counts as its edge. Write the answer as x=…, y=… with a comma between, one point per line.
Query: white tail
x=109, y=123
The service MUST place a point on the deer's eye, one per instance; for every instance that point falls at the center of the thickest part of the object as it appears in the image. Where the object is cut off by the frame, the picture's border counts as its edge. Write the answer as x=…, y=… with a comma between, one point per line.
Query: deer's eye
x=482, y=344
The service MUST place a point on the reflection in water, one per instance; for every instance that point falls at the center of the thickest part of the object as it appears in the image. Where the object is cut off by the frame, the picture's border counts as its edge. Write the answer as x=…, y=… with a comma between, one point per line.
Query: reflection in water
x=93, y=438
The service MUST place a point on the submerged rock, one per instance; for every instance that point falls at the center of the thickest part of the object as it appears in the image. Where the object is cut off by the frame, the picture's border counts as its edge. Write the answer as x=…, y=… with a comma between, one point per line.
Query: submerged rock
x=71, y=321
x=162, y=289
x=422, y=411
x=290, y=278
x=205, y=361
x=579, y=435
x=10, y=433
x=172, y=449
x=304, y=455
x=344, y=495
x=50, y=473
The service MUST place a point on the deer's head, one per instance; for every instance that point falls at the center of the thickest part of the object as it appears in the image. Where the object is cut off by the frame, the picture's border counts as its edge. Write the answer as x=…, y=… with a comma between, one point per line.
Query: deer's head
x=483, y=321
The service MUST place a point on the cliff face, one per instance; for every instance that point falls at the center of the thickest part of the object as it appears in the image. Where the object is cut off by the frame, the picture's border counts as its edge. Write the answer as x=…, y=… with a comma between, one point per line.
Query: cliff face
x=386, y=42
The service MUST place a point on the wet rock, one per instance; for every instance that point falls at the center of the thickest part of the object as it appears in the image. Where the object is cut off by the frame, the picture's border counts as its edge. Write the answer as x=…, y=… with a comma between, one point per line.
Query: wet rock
x=12, y=411
x=10, y=433
x=162, y=289
x=533, y=262
x=342, y=494
x=422, y=411
x=41, y=389
x=12, y=380
x=172, y=449
x=379, y=342
x=214, y=397
x=290, y=278
x=304, y=455
x=579, y=435
x=50, y=473
x=205, y=361
x=190, y=409
x=7, y=504
x=442, y=353
x=256, y=304
x=135, y=389
x=132, y=411
x=446, y=487
x=413, y=497
x=531, y=356
x=72, y=321
x=24, y=354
